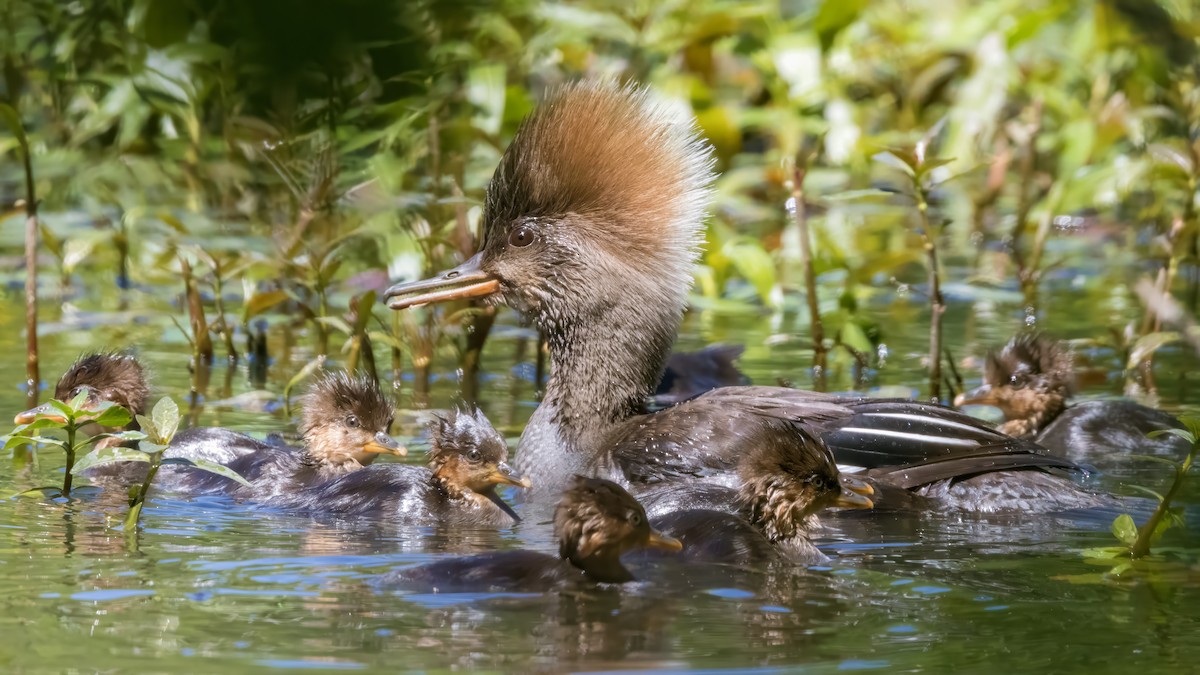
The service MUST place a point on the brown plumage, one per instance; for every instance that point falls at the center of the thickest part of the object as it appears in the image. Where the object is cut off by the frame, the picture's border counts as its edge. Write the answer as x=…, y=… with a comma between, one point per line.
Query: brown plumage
x=467, y=462
x=344, y=424
x=591, y=228
x=111, y=376
x=1031, y=380
x=114, y=377
x=781, y=489
x=596, y=522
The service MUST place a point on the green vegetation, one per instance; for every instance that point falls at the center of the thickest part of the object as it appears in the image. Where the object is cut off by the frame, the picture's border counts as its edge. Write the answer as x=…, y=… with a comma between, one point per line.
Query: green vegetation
x=278, y=156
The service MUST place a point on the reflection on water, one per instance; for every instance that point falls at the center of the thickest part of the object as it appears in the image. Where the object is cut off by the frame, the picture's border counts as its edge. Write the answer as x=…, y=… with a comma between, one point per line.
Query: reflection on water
x=215, y=584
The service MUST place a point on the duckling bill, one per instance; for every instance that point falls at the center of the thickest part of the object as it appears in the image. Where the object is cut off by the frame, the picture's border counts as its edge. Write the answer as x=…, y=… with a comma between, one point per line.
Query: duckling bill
x=595, y=522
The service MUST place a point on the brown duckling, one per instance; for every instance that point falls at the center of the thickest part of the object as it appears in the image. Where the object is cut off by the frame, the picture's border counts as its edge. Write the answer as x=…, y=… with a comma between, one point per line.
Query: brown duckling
x=344, y=425
x=596, y=522
x=119, y=377
x=114, y=377
x=1031, y=380
x=467, y=462
x=770, y=514
x=591, y=228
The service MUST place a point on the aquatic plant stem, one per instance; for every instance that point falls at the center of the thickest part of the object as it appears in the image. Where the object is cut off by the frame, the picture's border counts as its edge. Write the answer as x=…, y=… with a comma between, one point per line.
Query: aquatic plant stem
x=31, y=241
x=135, y=504
x=1141, y=547
x=799, y=172
x=70, y=450
x=937, y=304
x=1026, y=274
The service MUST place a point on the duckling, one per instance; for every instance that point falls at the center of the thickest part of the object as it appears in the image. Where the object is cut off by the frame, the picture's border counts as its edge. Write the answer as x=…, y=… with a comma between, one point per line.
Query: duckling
x=467, y=462
x=596, y=522
x=344, y=425
x=1031, y=381
x=768, y=516
x=115, y=377
x=120, y=378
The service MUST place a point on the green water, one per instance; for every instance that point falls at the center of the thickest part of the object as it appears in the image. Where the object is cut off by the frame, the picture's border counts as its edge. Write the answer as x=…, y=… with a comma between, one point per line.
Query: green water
x=215, y=585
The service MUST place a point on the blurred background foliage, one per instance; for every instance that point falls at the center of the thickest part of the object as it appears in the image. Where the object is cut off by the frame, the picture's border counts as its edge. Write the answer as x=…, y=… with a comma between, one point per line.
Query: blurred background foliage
x=287, y=158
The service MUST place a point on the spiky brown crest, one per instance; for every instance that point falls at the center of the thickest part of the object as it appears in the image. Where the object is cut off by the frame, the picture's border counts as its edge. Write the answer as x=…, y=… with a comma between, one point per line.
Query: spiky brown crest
x=1032, y=360
x=464, y=448
x=784, y=484
x=627, y=169
x=110, y=376
x=338, y=396
x=462, y=432
x=598, y=519
x=1030, y=380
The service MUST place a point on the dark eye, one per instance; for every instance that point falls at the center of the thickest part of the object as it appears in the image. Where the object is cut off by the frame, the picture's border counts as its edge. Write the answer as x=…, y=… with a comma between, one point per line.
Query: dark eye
x=352, y=422
x=474, y=456
x=635, y=518
x=521, y=237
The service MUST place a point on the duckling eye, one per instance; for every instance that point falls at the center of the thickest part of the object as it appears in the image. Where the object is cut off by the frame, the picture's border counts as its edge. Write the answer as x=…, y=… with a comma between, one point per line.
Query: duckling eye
x=474, y=456
x=352, y=422
x=635, y=518
x=521, y=237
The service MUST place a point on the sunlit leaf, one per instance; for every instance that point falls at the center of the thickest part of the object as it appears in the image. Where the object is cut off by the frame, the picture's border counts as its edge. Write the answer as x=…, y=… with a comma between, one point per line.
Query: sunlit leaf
x=1124, y=529
x=211, y=467
x=113, y=416
x=262, y=302
x=166, y=419
x=1146, y=345
x=12, y=120
x=305, y=372
x=112, y=455
x=17, y=440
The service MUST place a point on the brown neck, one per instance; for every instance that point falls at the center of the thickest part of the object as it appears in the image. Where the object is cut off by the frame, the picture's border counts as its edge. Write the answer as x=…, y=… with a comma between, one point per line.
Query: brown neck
x=1036, y=413
x=603, y=568
x=602, y=372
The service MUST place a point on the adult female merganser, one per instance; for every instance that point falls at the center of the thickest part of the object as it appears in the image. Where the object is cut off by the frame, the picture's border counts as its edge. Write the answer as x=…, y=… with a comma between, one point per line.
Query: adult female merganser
x=596, y=522
x=591, y=227
x=1031, y=381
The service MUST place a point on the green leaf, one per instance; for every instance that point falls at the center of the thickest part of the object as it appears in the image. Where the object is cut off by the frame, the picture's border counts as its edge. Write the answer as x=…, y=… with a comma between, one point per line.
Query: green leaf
x=131, y=518
x=112, y=455
x=147, y=425
x=151, y=448
x=1124, y=529
x=211, y=467
x=336, y=322
x=904, y=162
x=113, y=415
x=833, y=17
x=755, y=265
x=15, y=440
x=166, y=419
x=1159, y=433
x=305, y=372
x=130, y=435
x=12, y=120
x=1146, y=345
x=854, y=337
x=67, y=411
x=262, y=302
x=77, y=402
